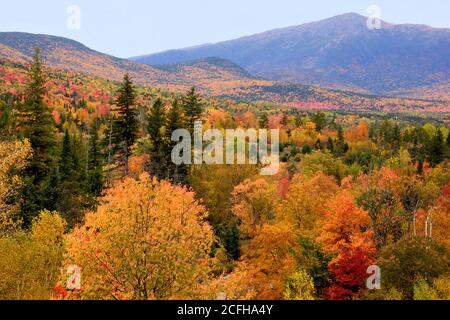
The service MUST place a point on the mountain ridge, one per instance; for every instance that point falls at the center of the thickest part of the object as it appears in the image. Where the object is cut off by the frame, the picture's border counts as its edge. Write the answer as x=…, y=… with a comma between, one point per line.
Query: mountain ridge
x=339, y=53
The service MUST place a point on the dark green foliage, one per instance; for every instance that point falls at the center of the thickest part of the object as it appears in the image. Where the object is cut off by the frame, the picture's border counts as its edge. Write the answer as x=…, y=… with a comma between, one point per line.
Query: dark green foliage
x=231, y=239
x=37, y=126
x=177, y=173
x=315, y=261
x=125, y=126
x=330, y=145
x=448, y=146
x=95, y=179
x=264, y=121
x=306, y=149
x=193, y=108
x=382, y=209
x=437, y=148
x=320, y=120
x=71, y=195
x=157, y=165
x=340, y=147
x=410, y=259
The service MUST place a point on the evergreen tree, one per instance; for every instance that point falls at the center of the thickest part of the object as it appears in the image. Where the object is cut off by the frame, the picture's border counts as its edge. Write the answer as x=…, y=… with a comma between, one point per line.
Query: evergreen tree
x=320, y=120
x=39, y=128
x=67, y=156
x=448, y=145
x=125, y=126
x=330, y=145
x=177, y=173
x=437, y=148
x=95, y=165
x=231, y=239
x=318, y=144
x=158, y=151
x=264, y=121
x=340, y=148
x=71, y=198
x=193, y=108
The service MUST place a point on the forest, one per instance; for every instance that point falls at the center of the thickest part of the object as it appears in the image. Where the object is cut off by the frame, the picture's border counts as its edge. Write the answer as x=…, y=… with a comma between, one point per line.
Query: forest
x=87, y=186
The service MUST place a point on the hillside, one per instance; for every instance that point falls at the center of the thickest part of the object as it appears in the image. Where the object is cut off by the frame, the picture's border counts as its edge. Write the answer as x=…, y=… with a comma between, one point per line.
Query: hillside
x=65, y=54
x=339, y=52
x=215, y=77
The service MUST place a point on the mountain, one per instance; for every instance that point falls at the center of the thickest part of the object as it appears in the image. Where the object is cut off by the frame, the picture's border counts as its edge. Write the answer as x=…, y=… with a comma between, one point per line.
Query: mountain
x=339, y=52
x=213, y=76
x=69, y=55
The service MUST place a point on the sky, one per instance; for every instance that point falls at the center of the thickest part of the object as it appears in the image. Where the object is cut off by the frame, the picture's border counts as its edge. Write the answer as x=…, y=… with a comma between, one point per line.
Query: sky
x=136, y=27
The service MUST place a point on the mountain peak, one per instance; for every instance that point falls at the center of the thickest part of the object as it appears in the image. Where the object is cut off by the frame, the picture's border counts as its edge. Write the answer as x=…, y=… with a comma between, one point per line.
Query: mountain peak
x=339, y=52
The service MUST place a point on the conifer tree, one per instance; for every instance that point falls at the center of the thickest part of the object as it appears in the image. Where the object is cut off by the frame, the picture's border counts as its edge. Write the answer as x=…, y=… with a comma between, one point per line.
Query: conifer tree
x=158, y=151
x=330, y=145
x=193, y=108
x=437, y=148
x=448, y=145
x=125, y=126
x=39, y=128
x=95, y=165
x=177, y=173
x=264, y=121
x=67, y=156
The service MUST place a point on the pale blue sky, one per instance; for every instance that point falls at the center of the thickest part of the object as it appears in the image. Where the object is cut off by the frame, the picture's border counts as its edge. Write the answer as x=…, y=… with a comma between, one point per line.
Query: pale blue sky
x=134, y=27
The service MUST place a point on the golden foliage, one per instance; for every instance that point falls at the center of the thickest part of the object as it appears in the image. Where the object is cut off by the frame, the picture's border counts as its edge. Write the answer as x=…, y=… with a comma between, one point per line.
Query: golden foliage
x=147, y=240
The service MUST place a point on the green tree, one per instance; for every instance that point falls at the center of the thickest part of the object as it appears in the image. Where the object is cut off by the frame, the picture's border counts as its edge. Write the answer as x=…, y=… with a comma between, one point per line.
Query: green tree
x=177, y=173
x=193, y=108
x=437, y=148
x=157, y=165
x=39, y=128
x=70, y=196
x=125, y=126
x=231, y=239
x=330, y=145
x=264, y=121
x=320, y=120
x=95, y=178
x=411, y=259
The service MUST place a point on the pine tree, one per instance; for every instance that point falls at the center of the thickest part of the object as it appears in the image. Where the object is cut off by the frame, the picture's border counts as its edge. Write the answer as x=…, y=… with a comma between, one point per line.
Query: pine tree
x=437, y=148
x=193, y=108
x=264, y=121
x=125, y=126
x=71, y=197
x=340, y=147
x=231, y=239
x=95, y=165
x=330, y=145
x=158, y=151
x=177, y=173
x=448, y=145
x=66, y=162
x=38, y=127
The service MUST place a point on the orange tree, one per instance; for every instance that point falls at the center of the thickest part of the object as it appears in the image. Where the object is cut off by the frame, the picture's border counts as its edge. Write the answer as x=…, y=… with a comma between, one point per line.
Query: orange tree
x=147, y=240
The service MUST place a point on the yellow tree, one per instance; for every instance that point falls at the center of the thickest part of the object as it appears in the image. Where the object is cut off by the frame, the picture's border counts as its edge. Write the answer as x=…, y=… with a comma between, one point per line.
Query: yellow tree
x=264, y=266
x=30, y=261
x=13, y=158
x=305, y=201
x=147, y=240
x=253, y=205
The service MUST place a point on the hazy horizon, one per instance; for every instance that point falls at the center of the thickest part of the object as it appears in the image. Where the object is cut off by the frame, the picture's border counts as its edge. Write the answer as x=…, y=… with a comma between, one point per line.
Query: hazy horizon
x=141, y=28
